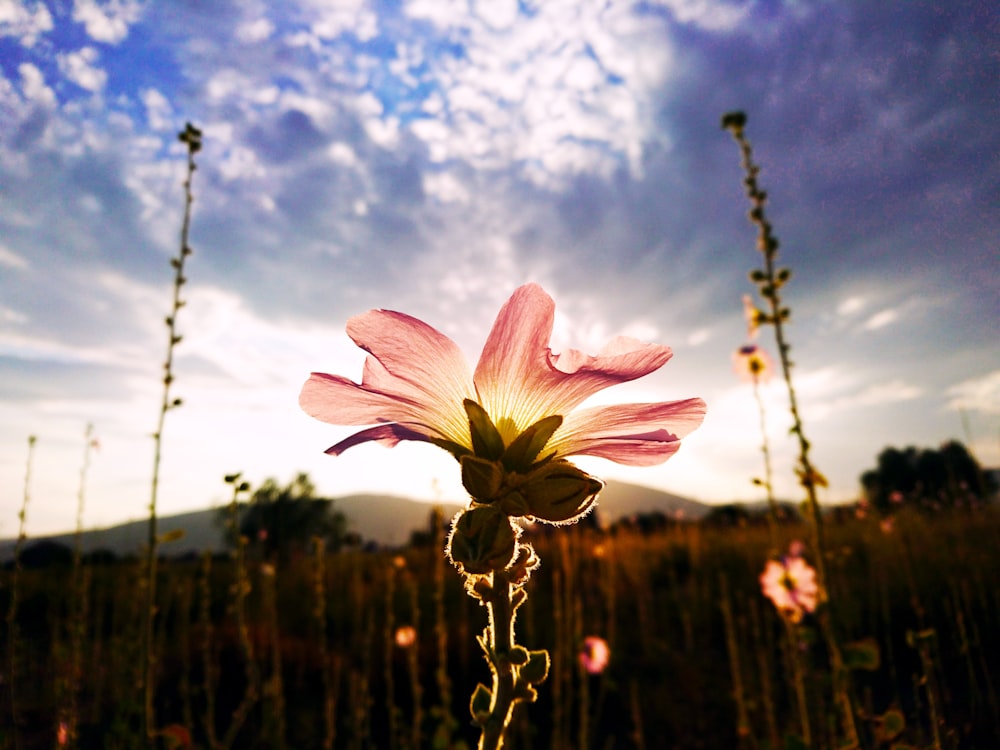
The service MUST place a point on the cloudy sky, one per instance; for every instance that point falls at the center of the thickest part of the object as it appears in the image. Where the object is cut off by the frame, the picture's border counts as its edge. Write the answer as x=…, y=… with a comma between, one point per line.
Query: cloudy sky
x=431, y=155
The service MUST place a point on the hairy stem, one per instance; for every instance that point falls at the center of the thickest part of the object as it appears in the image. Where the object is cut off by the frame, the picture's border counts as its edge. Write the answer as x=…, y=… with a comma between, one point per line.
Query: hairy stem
x=501, y=639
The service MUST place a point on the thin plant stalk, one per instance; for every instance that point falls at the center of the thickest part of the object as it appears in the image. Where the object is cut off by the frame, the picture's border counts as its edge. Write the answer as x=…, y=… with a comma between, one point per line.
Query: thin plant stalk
x=80, y=600
x=770, y=280
x=735, y=670
x=240, y=588
x=447, y=723
x=207, y=652
x=389, y=643
x=319, y=615
x=413, y=668
x=13, y=635
x=191, y=137
x=768, y=481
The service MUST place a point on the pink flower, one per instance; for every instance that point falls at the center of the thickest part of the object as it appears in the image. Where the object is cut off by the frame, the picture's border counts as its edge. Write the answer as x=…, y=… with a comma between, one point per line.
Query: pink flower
x=752, y=364
x=791, y=584
x=416, y=381
x=406, y=636
x=595, y=654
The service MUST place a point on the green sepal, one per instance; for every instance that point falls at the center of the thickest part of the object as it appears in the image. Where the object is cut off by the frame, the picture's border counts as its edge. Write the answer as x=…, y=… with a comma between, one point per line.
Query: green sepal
x=863, y=654
x=479, y=705
x=523, y=451
x=514, y=504
x=518, y=655
x=536, y=669
x=481, y=478
x=481, y=541
x=452, y=447
x=486, y=440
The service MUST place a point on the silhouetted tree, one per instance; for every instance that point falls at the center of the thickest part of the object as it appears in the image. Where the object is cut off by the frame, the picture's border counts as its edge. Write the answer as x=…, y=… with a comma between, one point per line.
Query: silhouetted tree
x=47, y=553
x=943, y=477
x=280, y=522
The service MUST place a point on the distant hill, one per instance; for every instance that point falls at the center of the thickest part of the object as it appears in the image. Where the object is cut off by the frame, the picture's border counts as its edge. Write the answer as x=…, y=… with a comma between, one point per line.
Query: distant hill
x=385, y=519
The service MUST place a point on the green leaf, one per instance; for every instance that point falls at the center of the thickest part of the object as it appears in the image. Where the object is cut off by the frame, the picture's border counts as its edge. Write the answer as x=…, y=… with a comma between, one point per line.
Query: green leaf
x=486, y=440
x=480, y=703
x=536, y=669
x=863, y=654
x=518, y=655
x=889, y=725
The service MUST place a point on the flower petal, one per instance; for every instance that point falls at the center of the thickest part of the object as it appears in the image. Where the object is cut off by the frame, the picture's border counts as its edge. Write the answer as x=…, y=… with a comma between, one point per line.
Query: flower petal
x=386, y=434
x=631, y=434
x=520, y=381
x=415, y=375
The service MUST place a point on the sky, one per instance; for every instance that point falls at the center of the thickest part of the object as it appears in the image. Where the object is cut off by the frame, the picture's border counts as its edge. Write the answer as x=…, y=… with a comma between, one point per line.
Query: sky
x=429, y=156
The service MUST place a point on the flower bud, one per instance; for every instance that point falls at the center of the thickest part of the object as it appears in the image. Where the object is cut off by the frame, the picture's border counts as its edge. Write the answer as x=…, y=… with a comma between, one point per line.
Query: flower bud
x=482, y=540
x=558, y=492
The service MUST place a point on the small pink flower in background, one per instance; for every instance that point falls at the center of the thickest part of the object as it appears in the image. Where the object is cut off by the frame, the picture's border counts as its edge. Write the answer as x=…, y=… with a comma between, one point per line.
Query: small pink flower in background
x=896, y=497
x=595, y=654
x=886, y=525
x=416, y=380
x=752, y=364
x=796, y=548
x=62, y=734
x=406, y=636
x=790, y=583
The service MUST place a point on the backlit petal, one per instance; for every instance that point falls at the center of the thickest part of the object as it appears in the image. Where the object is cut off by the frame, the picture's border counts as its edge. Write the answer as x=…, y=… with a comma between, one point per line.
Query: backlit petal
x=520, y=381
x=631, y=434
x=415, y=374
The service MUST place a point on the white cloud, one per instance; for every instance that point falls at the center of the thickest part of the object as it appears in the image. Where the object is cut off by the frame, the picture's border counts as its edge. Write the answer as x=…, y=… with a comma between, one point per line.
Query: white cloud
x=25, y=20
x=711, y=15
x=33, y=86
x=11, y=259
x=850, y=306
x=329, y=20
x=881, y=319
x=107, y=22
x=80, y=67
x=258, y=30
x=159, y=113
x=565, y=89
x=977, y=394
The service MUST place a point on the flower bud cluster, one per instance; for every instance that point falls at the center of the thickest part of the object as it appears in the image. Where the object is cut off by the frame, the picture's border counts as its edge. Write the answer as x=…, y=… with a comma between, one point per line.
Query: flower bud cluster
x=512, y=481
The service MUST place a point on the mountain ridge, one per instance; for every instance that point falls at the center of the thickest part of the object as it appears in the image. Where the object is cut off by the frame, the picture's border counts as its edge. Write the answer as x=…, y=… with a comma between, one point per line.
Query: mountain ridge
x=387, y=520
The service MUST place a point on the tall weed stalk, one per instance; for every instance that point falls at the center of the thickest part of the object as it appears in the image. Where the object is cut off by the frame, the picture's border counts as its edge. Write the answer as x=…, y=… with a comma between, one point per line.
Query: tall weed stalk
x=191, y=137
x=770, y=280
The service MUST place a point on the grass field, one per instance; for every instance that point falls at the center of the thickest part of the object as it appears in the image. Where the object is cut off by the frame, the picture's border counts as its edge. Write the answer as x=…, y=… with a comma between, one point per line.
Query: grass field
x=304, y=654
